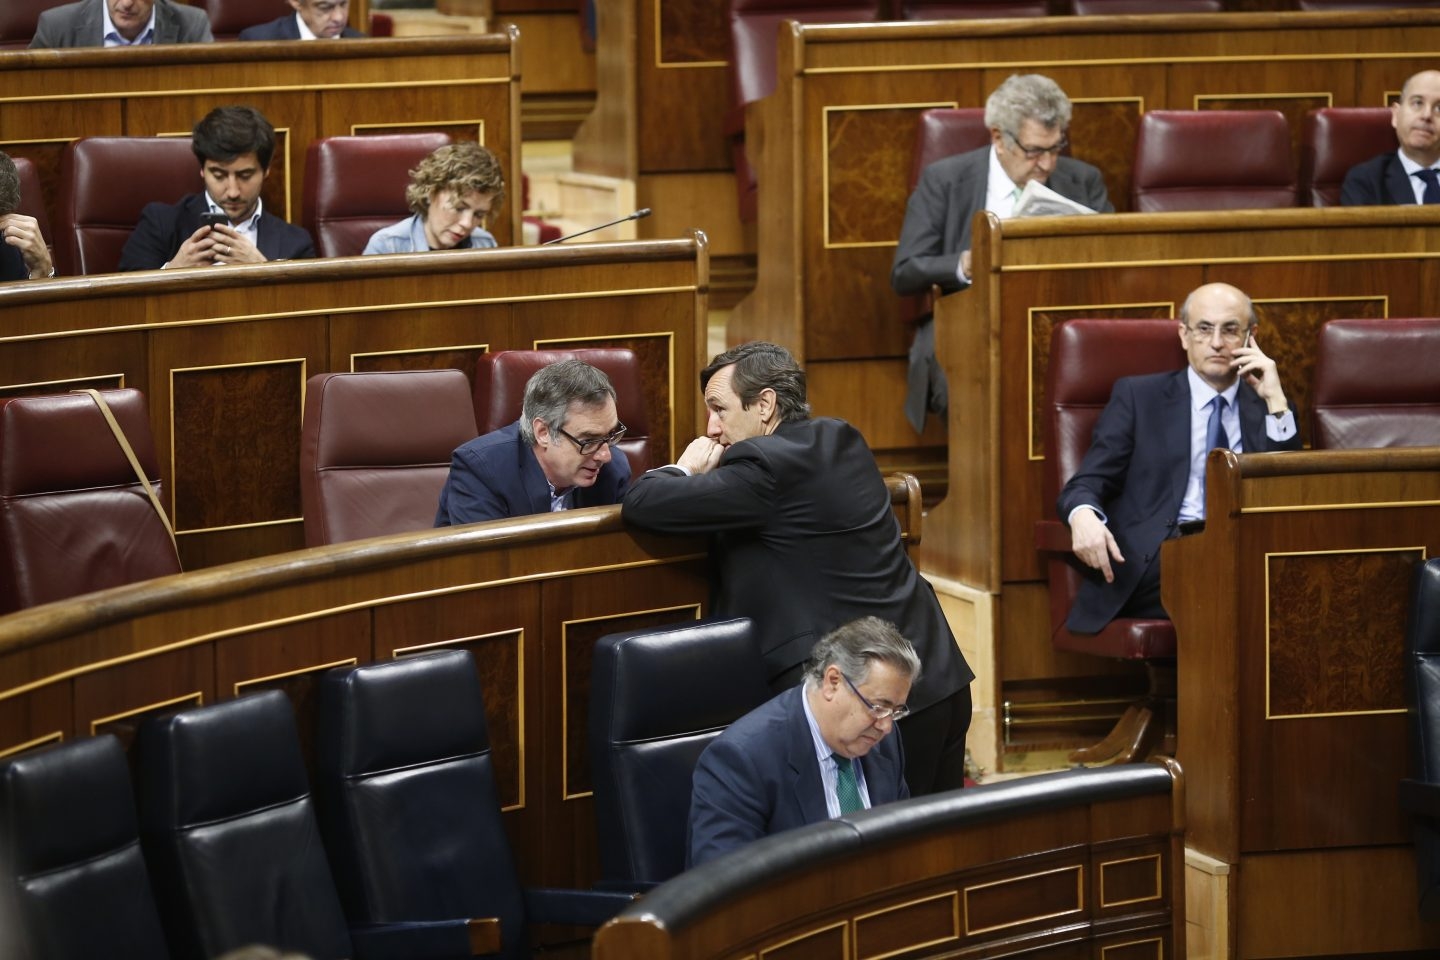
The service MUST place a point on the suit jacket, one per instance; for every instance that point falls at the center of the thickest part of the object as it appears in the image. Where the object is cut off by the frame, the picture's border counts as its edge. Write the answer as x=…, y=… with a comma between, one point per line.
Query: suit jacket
x=163, y=227
x=937, y=230
x=83, y=25
x=1376, y=182
x=761, y=777
x=12, y=263
x=1136, y=470
x=285, y=28
x=804, y=540
x=496, y=476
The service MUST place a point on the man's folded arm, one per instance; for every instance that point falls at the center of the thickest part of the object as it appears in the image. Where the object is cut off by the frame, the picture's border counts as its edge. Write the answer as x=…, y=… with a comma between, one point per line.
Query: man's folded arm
x=739, y=494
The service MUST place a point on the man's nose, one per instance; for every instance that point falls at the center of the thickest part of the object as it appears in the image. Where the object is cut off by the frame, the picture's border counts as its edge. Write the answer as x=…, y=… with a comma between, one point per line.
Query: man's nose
x=885, y=725
x=604, y=454
x=1046, y=161
x=713, y=429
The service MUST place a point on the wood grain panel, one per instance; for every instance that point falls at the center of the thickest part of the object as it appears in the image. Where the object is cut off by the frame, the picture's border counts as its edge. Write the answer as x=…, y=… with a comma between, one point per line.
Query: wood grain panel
x=36, y=719
x=118, y=700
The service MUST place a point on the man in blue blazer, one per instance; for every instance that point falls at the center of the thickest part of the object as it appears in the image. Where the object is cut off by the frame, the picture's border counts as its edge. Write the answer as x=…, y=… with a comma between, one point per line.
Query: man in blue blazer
x=561, y=453
x=312, y=20
x=1403, y=177
x=120, y=23
x=1143, y=478
x=816, y=751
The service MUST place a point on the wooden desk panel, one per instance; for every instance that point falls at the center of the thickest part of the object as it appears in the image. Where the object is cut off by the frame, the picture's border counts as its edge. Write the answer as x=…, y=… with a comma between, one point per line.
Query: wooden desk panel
x=466, y=86
x=223, y=355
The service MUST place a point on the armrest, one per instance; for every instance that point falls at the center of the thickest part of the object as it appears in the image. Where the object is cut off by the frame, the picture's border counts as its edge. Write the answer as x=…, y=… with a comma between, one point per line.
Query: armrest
x=1420, y=798
x=584, y=908
x=426, y=940
x=1052, y=536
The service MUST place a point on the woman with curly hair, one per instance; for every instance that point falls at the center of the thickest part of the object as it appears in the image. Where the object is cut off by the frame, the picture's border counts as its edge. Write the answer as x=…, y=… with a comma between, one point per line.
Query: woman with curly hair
x=453, y=193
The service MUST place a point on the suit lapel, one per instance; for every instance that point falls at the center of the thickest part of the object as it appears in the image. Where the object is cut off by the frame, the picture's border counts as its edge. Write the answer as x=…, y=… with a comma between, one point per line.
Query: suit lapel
x=879, y=768
x=537, y=488
x=806, y=788
x=89, y=25
x=1397, y=183
x=267, y=240
x=167, y=25
x=1175, y=414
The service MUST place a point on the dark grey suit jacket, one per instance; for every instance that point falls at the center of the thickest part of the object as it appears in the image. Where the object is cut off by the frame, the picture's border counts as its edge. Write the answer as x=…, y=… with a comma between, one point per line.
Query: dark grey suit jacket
x=163, y=227
x=1135, y=471
x=761, y=777
x=1381, y=181
x=285, y=28
x=83, y=24
x=937, y=231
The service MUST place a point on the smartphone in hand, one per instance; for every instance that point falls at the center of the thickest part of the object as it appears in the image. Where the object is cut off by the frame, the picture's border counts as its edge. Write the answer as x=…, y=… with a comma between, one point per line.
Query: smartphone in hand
x=213, y=220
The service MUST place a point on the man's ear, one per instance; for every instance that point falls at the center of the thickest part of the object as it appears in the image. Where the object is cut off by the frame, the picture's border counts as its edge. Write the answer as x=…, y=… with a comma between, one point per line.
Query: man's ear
x=766, y=404
x=541, y=430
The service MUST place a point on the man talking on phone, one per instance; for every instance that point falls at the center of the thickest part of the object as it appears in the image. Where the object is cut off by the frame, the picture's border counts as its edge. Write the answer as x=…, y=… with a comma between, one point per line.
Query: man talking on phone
x=227, y=222
x=1143, y=478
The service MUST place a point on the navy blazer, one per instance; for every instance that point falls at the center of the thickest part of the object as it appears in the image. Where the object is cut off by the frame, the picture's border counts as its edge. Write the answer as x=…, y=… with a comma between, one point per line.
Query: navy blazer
x=496, y=476
x=163, y=227
x=761, y=776
x=12, y=263
x=83, y=25
x=285, y=28
x=1381, y=181
x=1136, y=471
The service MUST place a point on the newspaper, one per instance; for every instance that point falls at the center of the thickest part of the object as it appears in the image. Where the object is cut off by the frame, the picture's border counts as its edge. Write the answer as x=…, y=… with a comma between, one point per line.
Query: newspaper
x=1038, y=200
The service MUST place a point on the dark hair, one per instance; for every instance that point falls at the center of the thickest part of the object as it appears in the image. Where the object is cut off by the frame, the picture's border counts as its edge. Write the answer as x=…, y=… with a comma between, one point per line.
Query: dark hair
x=9, y=185
x=854, y=646
x=228, y=132
x=759, y=365
x=552, y=389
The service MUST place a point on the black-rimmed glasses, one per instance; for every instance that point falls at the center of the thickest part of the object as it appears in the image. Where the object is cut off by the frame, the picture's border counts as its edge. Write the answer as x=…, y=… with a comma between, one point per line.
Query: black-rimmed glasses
x=878, y=710
x=1035, y=153
x=587, y=447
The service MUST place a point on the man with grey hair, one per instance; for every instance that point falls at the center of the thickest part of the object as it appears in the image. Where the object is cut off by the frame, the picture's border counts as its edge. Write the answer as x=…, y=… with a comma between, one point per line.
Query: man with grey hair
x=814, y=752
x=560, y=454
x=23, y=255
x=1029, y=118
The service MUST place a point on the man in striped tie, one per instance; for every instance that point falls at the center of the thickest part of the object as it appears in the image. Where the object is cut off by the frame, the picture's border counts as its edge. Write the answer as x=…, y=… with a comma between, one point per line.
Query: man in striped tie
x=816, y=751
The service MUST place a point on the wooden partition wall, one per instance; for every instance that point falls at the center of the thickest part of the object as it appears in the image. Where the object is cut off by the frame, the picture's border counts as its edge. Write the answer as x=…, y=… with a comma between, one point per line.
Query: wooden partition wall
x=1302, y=267
x=223, y=354
x=1290, y=612
x=833, y=146
x=468, y=87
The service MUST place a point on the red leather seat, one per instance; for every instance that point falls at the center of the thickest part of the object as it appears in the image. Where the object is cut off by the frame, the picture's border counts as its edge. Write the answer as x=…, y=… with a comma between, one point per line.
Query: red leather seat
x=73, y=516
x=1213, y=160
x=754, y=28
x=356, y=185
x=1086, y=358
x=1377, y=384
x=1333, y=140
x=375, y=450
x=94, y=218
x=18, y=19
x=229, y=17
x=1085, y=8
x=500, y=380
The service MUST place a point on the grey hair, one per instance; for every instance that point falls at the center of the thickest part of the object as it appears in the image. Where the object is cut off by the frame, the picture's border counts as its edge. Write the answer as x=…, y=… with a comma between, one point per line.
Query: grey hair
x=1027, y=96
x=854, y=646
x=758, y=366
x=554, y=387
x=9, y=185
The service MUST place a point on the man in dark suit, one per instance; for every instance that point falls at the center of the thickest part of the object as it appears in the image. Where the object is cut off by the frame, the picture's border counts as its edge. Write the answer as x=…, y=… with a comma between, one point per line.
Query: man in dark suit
x=1029, y=117
x=312, y=20
x=559, y=455
x=234, y=146
x=805, y=540
x=1143, y=478
x=1411, y=174
x=120, y=23
x=815, y=752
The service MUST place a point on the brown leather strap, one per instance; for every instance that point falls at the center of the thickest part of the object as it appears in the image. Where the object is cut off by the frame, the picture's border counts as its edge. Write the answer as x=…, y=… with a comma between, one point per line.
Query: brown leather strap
x=134, y=462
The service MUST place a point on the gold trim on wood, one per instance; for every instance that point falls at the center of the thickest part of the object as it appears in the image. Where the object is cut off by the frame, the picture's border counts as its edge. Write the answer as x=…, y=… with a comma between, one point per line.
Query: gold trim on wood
x=316, y=668
x=1032, y=66
x=67, y=380
x=1159, y=881
x=1200, y=98
x=251, y=92
x=1193, y=261
x=56, y=737
x=483, y=347
x=355, y=128
x=1079, y=899
x=197, y=698
x=565, y=793
x=951, y=895
x=1158, y=941
x=843, y=926
x=678, y=64
x=1379, y=505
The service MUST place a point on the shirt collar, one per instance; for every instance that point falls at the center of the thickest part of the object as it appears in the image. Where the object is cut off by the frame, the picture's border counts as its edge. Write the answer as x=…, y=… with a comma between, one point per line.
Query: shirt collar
x=110, y=36
x=1201, y=393
x=305, y=32
x=254, y=221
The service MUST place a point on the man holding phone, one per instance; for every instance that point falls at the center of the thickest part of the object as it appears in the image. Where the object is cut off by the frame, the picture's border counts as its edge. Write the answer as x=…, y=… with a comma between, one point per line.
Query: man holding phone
x=1143, y=478
x=226, y=223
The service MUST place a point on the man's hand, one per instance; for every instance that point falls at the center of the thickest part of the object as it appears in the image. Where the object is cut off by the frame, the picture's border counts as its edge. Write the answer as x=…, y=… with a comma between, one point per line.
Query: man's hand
x=197, y=251
x=23, y=233
x=1259, y=371
x=1093, y=543
x=231, y=247
x=702, y=456
x=965, y=265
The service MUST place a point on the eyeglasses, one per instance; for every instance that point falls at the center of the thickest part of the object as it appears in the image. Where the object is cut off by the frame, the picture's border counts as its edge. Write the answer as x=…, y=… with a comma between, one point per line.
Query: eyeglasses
x=1231, y=333
x=1035, y=153
x=587, y=447
x=878, y=710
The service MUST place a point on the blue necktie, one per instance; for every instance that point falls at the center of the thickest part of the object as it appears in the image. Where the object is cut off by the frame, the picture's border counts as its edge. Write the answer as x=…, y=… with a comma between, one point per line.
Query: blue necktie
x=1215, y=431
x=1432, y=185
x=847, y=791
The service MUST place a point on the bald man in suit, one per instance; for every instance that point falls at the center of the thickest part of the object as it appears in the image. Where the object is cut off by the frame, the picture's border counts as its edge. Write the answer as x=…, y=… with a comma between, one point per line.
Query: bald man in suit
x=1410, y=175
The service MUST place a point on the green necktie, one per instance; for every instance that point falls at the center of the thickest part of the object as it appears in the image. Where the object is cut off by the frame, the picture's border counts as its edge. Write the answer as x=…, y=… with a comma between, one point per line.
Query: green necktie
x=847, y=791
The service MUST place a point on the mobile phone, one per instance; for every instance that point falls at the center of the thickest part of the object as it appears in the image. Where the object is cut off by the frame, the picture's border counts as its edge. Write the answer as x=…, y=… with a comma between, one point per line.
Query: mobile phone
x=213, y=219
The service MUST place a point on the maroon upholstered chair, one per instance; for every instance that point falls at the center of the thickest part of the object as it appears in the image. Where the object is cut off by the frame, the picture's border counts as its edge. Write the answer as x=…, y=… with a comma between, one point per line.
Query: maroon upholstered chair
x=32, y=199
x=375, y=450
x=74, y=517
x=356, y=185
x=1212, y=160
x=93, y=218
x=500, y=380
x=754, y=29
x=18, y=19
x=229, y=17
x=1377, y=384
x=1086, y=358
x=1086, y=8
x=977, y=10
x=382, y=25
x=1334, y=139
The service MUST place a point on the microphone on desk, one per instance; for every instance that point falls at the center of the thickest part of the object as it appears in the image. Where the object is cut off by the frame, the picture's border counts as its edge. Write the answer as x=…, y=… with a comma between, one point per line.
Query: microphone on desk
x=640, y=214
